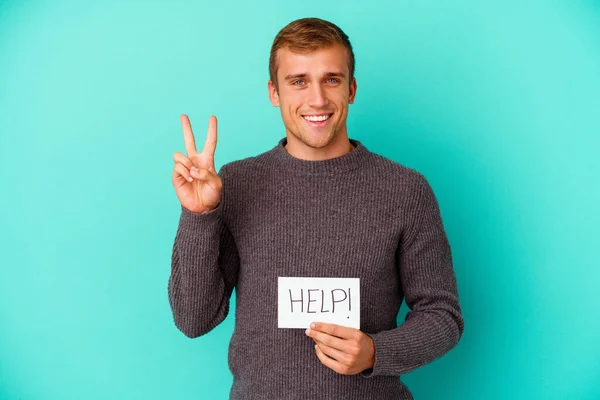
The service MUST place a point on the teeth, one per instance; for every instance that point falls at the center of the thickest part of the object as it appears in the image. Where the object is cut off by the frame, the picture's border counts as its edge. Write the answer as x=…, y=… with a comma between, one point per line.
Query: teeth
x=316, y=118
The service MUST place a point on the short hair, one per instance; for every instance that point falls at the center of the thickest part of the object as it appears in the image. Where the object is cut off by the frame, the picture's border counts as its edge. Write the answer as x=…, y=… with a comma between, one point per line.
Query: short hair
x=309, y=34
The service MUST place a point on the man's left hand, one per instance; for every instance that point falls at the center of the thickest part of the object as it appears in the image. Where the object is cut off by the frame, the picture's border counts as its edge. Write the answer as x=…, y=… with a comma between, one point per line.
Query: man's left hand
x=345, y=350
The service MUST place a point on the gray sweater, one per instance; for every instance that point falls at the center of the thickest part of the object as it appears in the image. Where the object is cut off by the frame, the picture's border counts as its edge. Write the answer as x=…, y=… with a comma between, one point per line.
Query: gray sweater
x=359, y=215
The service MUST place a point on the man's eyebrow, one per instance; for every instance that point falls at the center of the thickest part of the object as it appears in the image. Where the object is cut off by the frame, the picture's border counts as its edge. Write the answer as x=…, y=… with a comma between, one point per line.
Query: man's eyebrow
x=293, y=76
x=304, y=75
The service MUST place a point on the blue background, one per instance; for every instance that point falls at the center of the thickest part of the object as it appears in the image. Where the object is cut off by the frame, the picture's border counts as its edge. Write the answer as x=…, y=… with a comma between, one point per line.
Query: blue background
x=497, y=103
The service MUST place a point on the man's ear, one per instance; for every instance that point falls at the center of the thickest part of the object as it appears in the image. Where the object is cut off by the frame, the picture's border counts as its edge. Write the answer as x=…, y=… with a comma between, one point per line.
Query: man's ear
x=273, y=95
x=353, y=87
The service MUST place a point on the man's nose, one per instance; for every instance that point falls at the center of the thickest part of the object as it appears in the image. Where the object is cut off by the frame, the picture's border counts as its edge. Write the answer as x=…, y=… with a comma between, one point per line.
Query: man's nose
x=316, y=97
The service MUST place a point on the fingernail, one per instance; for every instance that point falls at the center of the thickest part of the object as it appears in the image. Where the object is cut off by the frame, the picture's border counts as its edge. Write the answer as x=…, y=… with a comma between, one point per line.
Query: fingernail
x=307, y=331
x=190, y=179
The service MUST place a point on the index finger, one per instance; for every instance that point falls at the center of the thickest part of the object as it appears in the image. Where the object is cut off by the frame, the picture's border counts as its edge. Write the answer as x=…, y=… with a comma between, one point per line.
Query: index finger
x=340, y=331
x=188, y=135
x=211, y=137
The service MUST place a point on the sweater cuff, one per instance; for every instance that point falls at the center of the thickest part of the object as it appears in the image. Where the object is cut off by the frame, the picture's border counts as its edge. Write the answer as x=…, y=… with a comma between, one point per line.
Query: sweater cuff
x=369, y=372
x=386, y=359
x=409, y=346
x=192, y=222
x=388, y=354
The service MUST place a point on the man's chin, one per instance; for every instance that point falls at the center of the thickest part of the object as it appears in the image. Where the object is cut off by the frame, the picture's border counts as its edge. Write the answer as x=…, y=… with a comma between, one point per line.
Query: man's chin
x=319, y=140
x=320, y=144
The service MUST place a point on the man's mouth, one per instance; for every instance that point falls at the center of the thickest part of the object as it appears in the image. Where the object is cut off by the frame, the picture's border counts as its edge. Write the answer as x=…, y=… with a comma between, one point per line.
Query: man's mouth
x=317, y=120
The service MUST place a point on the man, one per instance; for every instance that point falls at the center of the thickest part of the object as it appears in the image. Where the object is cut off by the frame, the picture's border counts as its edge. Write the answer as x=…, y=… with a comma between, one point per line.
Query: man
x=317, y=205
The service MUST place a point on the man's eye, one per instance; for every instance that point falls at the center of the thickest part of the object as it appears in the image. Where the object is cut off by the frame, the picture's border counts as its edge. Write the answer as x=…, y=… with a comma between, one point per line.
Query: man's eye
x=298, y=81
x=334, y=80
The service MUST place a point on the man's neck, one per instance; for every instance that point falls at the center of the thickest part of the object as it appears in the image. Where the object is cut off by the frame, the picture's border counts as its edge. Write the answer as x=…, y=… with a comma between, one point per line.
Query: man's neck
x=337, y=148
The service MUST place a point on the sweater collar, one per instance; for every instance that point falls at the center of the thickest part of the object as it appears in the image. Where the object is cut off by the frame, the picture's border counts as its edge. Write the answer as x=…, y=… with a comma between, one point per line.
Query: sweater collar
x=346, y=162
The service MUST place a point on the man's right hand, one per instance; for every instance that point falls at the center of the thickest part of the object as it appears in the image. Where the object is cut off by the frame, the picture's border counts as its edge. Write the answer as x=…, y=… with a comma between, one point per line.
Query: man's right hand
x=197, y=185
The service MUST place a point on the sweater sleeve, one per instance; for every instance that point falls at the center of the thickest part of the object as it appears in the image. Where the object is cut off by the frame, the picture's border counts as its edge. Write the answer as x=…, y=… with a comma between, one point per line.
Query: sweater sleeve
x=204, y=270
x=434, y=324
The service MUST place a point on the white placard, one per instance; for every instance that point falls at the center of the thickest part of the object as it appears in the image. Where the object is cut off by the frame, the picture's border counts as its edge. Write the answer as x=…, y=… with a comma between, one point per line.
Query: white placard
x=304, y=300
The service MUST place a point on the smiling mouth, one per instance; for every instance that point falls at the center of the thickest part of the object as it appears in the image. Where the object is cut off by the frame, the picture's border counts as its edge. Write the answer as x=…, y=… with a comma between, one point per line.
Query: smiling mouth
x=317, y=119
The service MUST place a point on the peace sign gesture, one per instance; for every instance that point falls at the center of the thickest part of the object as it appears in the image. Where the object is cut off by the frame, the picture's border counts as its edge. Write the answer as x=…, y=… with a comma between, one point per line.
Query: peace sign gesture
x=197, y=185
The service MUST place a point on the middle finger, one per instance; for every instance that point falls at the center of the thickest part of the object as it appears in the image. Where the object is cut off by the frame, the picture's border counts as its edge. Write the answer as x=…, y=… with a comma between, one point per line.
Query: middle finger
x=329, y=340
x=337, y=355
x=188, y=135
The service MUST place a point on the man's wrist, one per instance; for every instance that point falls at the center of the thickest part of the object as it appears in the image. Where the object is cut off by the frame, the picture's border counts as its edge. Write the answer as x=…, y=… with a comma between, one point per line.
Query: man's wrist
x=204, y=211
x=209, y=210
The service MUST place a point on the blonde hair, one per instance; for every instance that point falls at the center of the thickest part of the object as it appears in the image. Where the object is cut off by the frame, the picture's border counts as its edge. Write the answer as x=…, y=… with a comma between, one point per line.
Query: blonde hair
x=306, y=35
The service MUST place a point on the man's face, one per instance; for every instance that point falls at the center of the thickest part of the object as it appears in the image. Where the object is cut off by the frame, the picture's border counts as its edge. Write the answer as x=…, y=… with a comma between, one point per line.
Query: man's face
x=314, y=93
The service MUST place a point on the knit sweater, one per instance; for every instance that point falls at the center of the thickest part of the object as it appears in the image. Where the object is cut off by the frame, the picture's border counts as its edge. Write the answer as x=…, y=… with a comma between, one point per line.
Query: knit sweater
x=359, y=215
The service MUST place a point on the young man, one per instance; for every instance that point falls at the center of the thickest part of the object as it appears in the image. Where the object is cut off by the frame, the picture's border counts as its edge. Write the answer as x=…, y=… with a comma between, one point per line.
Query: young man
x=317, y=205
